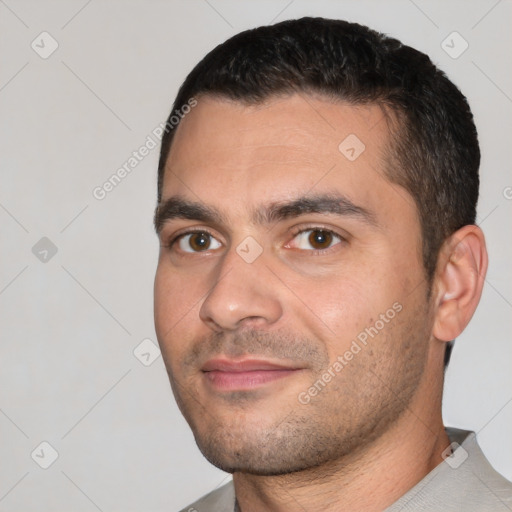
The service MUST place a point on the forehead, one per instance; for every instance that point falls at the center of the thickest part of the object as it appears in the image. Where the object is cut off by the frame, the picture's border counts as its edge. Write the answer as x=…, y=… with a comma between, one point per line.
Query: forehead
x=295, y=123
x=234, y=156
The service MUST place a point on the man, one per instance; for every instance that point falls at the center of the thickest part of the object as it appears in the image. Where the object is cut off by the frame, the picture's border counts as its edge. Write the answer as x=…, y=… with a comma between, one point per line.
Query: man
x=316, y=205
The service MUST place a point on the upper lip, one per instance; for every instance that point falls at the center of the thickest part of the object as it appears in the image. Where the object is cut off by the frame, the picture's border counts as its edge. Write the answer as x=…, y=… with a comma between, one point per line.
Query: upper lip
x=243, y=365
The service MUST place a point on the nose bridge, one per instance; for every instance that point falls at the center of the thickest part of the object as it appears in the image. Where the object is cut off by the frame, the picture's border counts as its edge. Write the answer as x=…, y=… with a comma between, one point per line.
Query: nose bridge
x=241, y=291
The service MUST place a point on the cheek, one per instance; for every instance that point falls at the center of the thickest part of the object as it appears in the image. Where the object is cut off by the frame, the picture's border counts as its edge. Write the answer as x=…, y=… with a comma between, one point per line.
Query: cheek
x=337, y=308
x=163, y=301
x=329, y=307
x=175, y=301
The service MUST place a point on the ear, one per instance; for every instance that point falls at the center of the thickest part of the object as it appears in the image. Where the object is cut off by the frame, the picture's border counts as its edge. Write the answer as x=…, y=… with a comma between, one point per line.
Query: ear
x=460, y=275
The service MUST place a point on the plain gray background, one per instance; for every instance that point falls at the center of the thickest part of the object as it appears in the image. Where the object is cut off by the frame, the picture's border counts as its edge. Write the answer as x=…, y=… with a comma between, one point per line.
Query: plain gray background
x=70, y=322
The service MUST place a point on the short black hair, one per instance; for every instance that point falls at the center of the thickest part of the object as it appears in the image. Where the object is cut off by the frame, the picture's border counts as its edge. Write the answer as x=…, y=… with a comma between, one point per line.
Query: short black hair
x=434, y=152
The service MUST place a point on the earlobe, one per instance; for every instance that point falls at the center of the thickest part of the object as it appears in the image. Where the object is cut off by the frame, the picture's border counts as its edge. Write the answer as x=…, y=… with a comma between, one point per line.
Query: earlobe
x=460, y=275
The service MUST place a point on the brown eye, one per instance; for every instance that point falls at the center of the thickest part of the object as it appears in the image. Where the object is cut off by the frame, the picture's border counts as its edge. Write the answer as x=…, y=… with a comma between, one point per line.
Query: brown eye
x=320, y=239
x=315, y=239
x=197, y=242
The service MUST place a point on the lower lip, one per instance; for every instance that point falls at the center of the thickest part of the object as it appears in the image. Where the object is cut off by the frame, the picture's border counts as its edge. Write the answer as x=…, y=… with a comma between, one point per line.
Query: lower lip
x=240, y=381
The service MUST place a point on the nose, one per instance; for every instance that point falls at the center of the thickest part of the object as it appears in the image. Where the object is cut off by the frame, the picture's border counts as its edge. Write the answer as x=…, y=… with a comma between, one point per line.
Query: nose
x=242, y=295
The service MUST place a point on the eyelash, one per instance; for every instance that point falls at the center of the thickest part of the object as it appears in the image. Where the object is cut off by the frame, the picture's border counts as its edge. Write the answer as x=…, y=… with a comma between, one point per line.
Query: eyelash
x=174, y=239
x=299, y=230
x=295, y=232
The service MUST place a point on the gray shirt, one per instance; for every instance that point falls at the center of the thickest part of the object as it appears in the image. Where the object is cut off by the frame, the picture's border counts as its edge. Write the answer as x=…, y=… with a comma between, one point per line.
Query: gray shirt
x=464, y=481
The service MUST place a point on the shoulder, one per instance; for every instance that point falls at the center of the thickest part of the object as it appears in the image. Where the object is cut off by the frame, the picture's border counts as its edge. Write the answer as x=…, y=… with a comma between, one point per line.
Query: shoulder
x=465, y=480
x=219, y=500
x=485, y=488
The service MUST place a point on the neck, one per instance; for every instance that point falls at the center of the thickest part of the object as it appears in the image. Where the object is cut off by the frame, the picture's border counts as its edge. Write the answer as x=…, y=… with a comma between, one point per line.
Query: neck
x=370, y=480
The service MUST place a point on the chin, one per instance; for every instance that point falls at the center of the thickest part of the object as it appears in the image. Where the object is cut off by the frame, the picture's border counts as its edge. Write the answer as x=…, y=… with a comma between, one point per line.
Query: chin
x=241, y=463
x=265, y=452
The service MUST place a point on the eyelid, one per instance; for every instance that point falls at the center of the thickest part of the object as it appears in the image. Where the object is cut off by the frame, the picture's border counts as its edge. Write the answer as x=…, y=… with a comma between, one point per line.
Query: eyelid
x=315, y=227
x=175, y=237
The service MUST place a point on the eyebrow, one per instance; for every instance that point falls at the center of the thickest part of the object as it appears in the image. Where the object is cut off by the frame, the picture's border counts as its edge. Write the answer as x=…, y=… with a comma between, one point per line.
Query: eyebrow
x=176, y=207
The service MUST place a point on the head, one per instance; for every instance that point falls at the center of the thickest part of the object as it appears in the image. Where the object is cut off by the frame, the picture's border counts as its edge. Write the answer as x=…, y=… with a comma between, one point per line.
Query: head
x=315, y=210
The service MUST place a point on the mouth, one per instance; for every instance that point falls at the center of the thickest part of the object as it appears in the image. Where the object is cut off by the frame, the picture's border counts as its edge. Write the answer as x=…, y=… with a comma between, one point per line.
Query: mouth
x=244, y=374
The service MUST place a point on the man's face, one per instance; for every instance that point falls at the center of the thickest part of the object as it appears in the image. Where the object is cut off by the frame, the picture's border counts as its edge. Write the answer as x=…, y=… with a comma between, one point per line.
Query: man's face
x=290, y=299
